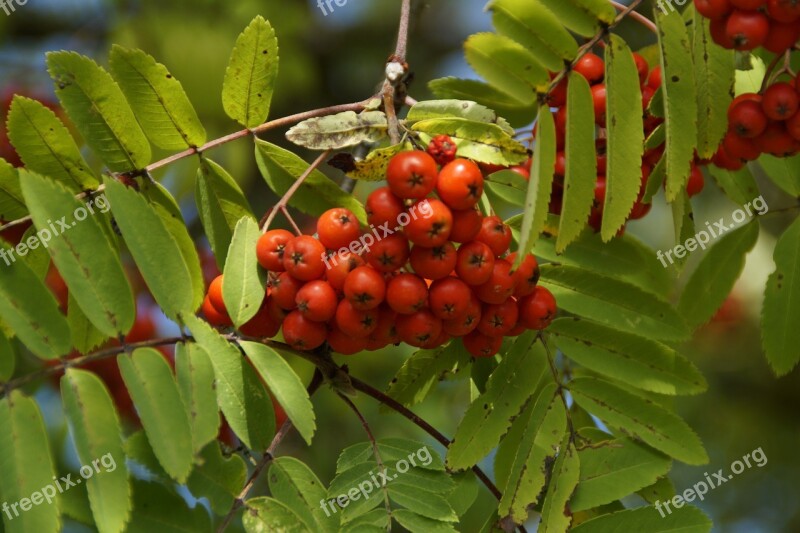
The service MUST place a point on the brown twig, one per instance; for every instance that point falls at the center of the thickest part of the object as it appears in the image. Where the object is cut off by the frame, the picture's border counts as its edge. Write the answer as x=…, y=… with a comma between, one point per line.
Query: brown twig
x=284, y=201
x=638, y=17
x=268, y=457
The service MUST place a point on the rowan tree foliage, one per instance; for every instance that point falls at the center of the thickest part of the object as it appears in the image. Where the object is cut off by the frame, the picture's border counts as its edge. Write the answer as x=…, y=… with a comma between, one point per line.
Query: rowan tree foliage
x=577, y=418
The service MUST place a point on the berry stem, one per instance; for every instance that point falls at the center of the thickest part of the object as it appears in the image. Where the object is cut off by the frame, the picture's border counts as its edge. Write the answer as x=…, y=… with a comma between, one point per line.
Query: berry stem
x=638, y=17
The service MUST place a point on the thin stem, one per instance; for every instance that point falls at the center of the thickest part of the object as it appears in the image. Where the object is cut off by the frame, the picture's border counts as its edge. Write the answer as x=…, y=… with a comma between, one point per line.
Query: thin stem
x=267, y=458
x=289, y=217
x=283, y=202
x=588, y=46
x=402, y=32
x=391, y=112
x=375, y=450
x=638, y=17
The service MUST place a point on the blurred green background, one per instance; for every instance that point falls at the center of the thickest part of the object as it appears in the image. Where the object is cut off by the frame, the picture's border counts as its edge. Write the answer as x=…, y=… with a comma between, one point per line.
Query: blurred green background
x=339, y=58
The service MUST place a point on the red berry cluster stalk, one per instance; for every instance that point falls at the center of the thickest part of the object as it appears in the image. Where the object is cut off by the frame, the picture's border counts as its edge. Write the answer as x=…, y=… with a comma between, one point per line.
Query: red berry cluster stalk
x=762, y=123
x=430, y=268
x=748, y=24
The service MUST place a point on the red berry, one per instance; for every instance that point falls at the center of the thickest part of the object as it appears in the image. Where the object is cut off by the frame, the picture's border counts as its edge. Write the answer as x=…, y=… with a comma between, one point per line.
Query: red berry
x=433, y=263
x=407, y=293
x=591, y=67
x=480, y=345
x=411, y=174
x=495, y=234
x=215, y=295
x=365, y=288
x=449, y=298
x=776, y=141
x=383, y=208
x=339, y=266
x=713, y=9
x=747, y=29
x=475, y=263
x=466, y=225
x=599, y=103
x=262, y=325
x=270, y=247
x=317, y=301
x=747, y=5
x=696, y=181
x=740, y=147
x=785, y=11
x=303, y=258
x=285, y=289
x=538, y=310
x=355, y=322
x=641, y=67
x=303, y=334
x=442, y=149
x=782, y=36
x=793, y=126
x=214, y=317
x=747, y=118
x=469, y=321
x=430, y=223
x=385, y=332
x=500, y=286
x=498, y=319
x=721, y=159
x=654, y=79
x=719, y=33
x=418, y=328
x=460, y=184
x=390, y=253
x=337, y=228
x=780, y=101
x=526, y=275
x=341, y=342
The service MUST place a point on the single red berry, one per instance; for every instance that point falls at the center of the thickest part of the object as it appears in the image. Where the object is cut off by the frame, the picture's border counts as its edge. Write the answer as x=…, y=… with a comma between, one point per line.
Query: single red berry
x=262, y=325
x=480, y=345
x=285, y=289
x=303, y=334
x=418, y=328
x=449, y=298
x=747, y=119
x=337, y=228
x=591, y=67
x=500, y=286
x=411, y=174
x=466, y=225
x=339, y=265
x=558, y=96
x=747, y=29
x=383, y=208
x=641, y=67
x=407, y=293
x=317, y=301
x=696, y=181
x=390, y=253
x=654, y=78
x=355, y=322
x=442, y=149
x=303, y=258
x=215, y=295
x=214, y=317
x=365, y=288
x=780, y=101
x=385, y=333
x=782, y=36
x=430, y=224
x=475, y=263
x=721, y=159
x=433, y=263
x=270, y=247
x=460, y=184
x=793, y=126
x=462, y=325
x=599, y=103
x=538, y=310
x=713, y=9
x=740, y=147
x=776, y=141
x=342, y=343
x=495, y=234
x=498, y=319
x=783, y=11
x=527, y=274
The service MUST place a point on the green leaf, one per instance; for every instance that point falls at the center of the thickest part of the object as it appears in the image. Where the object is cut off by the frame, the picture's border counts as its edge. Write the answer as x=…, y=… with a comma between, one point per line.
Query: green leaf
x=391, y=450
x=681, y=100
x=516, y=112
x=138, y=449
x=739, y=186
x=240, y=393
x=158, y=402
x=356, y=491
x=540, y=441
x=683, y=223
x=97, y=107
x=540, y=185
x=267, y=515
x=96, y=431
x=714, y=76
x=624, y=258
x=639, y=417
x=12, y=205
x=662, y=489
x=507, y=450
x=31, y=310
x=416, y=523
x=465, y=493
x=712, y=281
x=250, y=77
x=420, y=372
x=85, y=337
x=218, y=478
x=506, y=185
x=625, y=137
x=154, y=249
x=488, y=417
x=584, y=17
x=342, y=130
x=86, y=259
x=26, y=466
x=749, y=81
x=294, y=484
x=466, y=109
x=157, y=508
x=614, y=303
x=421, y=501
x=158, y=99
x=373, y=167
x=581, y=160
x=638, y=361
x=220, y=204
x=244, y=285
x=195, y=375
x=8, y=358
x=482, y=142
x=537, y=29
x=556, y=515
x=316, y=195
x=784, y=172
x=779, y=333
x=506, y=65
x=614, y=469
x=686, y=520
x=285, y=386
x=167, y=209
x=45, y=145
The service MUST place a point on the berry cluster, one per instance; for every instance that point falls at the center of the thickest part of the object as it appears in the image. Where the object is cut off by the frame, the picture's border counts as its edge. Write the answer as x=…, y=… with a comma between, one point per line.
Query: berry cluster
x=435, y=268
x=592, y=67
x=762, y=123
x=748, y=24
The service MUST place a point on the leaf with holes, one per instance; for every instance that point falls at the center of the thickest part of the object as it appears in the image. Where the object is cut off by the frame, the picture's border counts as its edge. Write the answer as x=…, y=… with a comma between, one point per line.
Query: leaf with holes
x=342, y=130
